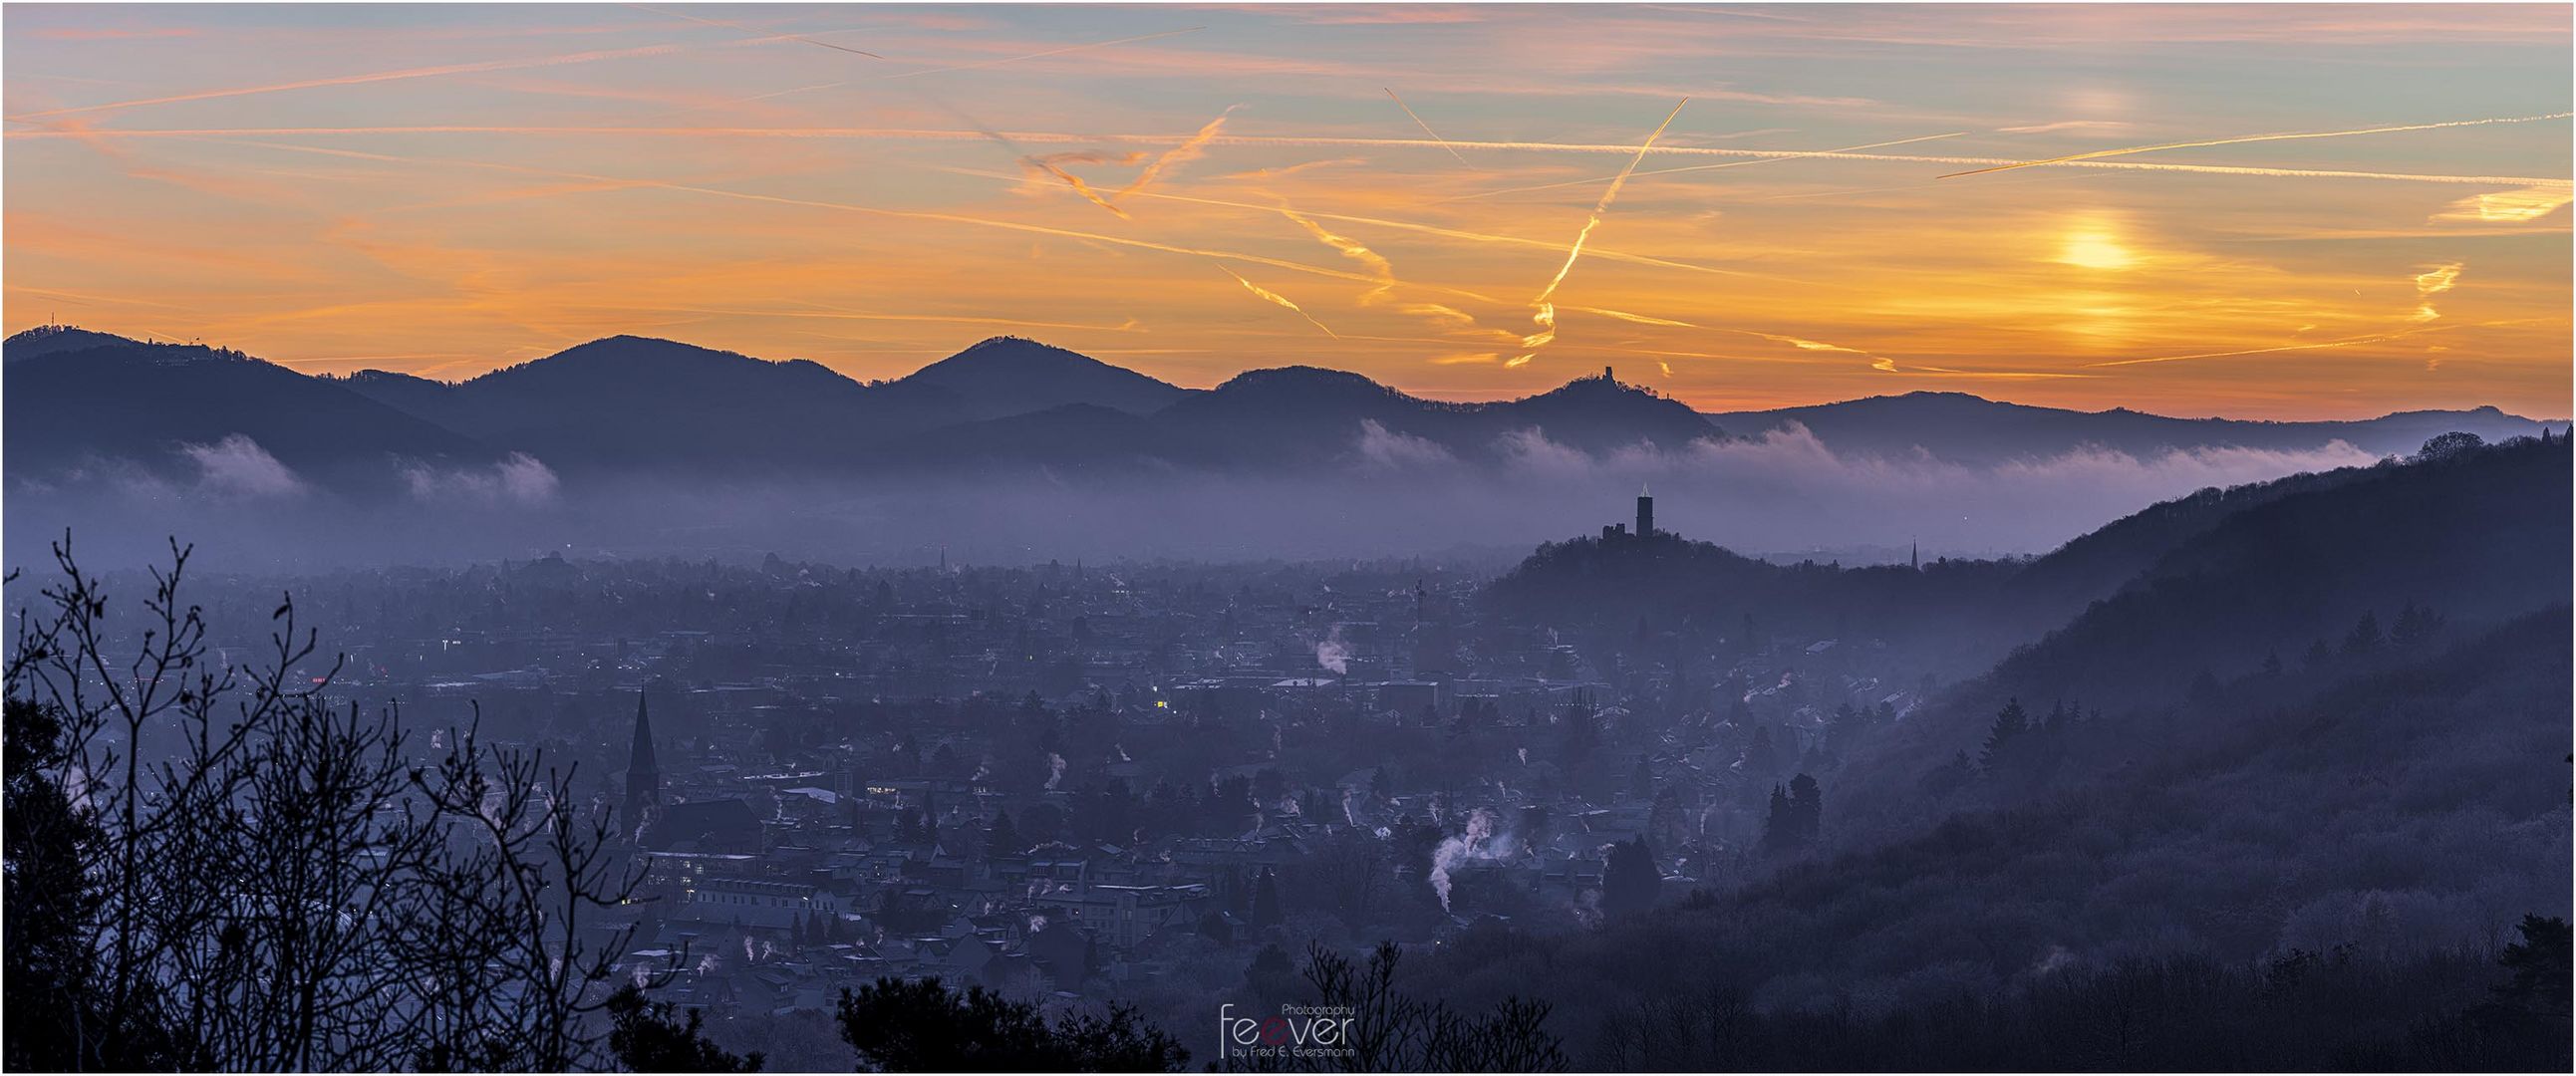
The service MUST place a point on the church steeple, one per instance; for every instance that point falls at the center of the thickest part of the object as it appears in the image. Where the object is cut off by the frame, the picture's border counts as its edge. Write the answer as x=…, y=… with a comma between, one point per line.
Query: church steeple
x=643, y=771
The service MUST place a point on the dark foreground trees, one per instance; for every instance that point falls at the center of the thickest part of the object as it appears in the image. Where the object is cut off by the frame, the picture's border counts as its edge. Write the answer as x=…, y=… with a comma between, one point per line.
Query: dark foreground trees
x=923, y=1026
x=654, y=1036
x=1393, y=1031
x=212, y=867
x=2335, y=1011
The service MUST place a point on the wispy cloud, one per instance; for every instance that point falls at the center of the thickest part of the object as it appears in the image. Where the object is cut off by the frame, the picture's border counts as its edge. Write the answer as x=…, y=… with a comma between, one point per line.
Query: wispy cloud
x=2508, y=207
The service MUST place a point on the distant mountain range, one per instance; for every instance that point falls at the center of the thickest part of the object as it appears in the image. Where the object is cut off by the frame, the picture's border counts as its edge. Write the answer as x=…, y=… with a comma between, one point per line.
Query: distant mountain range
x=1960, y=428
x=635, y=406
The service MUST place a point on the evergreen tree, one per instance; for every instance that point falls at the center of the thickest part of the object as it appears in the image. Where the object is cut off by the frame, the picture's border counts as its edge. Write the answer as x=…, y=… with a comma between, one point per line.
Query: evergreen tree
x=1266, y=911
x=1002, y=837
x=1779, y=829
x=1630, y=882
x=2010, y=723
x=2317, y=657
x=1806, y=808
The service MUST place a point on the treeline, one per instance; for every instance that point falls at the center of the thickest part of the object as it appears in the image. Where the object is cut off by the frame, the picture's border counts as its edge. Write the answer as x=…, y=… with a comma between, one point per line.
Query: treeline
x=2301, y=1011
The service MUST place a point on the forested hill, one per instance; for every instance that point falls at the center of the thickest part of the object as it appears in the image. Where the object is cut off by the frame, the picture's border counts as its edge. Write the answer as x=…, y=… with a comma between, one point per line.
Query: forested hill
x=1967, y=614
x=2277, y=803
x=2408, y=556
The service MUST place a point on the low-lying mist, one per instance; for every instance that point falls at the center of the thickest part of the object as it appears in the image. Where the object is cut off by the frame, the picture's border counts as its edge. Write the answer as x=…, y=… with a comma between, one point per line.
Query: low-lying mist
x=1387, y=495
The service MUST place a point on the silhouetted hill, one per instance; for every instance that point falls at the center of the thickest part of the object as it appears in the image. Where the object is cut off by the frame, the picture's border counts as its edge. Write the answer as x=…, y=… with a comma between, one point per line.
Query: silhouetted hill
x=50, y=339
x=1967, y=429
x=633, y=403
x=2478, y=537
x=1108, y=440
x=2330, y=851
x=2222, y=768
x=1301, y=414
x=649, y=408
x=112, y=399
x=1974, y=612
x=1008, y=375
x=2283, y=587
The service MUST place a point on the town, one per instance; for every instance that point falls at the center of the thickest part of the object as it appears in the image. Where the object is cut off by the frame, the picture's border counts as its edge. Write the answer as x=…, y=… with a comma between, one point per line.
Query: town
x=1068, y=782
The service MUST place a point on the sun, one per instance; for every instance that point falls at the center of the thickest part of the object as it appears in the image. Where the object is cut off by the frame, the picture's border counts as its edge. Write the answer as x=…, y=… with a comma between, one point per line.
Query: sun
x=2094, y=248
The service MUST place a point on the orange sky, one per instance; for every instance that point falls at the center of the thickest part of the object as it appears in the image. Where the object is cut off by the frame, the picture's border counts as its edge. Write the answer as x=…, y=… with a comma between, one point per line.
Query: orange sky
x=1195, y=191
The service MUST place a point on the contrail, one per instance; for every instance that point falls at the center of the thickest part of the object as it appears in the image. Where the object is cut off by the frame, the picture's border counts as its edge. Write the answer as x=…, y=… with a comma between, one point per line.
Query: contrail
x=1049, y=164
x=1275, y=297
x=355, y=80
x=1426, y=128
x=1546, y=316
x=1433, y=229
x=1049, y=52
x=1187, y=151
x=757, y=30
x=875, y=211
x=1448, y=316
x=1691, y=168
x=1350, y=248
x=837, y=314
x=1801, y=343
x=1067, y=138
x=957, y=67
x=2373, y=339
x=2071, y=158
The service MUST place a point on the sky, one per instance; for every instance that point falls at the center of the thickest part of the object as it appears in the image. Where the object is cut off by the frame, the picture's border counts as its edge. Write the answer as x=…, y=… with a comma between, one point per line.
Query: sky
x=1428, y=195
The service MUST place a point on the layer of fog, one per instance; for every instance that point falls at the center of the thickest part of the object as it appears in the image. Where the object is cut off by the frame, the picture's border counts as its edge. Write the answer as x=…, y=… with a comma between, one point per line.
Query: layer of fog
x=1386, y=494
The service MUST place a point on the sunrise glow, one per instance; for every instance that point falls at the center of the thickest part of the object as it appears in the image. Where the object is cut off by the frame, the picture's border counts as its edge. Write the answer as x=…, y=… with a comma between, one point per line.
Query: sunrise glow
x=2235, y=211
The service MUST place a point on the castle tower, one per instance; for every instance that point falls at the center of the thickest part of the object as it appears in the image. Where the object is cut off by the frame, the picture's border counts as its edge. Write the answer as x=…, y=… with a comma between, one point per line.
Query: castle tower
x=1645, y=512
x=643, y=771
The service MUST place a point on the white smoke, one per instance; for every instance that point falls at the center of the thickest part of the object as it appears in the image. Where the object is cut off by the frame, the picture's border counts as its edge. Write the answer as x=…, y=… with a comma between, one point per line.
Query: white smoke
x=1333, y=654
x=1350, y=805
x=237, y=467
x=1055, y=768
x=1478, y=843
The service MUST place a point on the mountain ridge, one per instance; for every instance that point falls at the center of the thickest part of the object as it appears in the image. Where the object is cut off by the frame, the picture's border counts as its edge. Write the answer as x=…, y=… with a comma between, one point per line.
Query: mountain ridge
x=626, y=403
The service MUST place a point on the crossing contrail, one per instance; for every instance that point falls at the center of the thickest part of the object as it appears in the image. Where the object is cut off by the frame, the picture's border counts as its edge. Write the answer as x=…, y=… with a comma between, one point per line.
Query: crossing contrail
x=362, y=79
x=1693, y=168
x=1189, y=150
x=756, y=30
x=1037, y=55
x=1426, y=128
x=1070, y=138
x=2100, y=153
x=1545, y=318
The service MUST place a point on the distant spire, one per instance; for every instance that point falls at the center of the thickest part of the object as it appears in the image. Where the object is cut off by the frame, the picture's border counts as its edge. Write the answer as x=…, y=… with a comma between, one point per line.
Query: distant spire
x=643, y=770
x=1916, y=560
